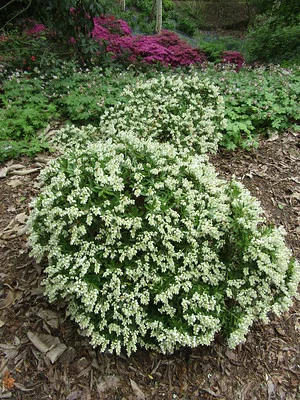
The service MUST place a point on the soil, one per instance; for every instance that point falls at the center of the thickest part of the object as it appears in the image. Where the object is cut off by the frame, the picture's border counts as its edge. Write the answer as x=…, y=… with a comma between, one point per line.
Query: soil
x=267, y=366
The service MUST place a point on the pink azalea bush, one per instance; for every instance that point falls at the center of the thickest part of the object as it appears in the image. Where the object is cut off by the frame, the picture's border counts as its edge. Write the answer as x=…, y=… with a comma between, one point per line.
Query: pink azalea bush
x=36, y=28
x=166, y=48
x=233, y=58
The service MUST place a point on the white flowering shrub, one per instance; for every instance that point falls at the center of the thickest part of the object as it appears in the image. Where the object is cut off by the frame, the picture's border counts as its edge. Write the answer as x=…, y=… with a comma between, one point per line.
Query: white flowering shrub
x=151, y=249
x=70, y=137
x=182, y=110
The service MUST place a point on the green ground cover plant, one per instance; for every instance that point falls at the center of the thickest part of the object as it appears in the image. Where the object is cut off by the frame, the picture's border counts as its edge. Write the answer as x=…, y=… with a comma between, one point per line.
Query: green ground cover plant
x=258, y=101
x=31, y=100
x=149, y=248
x=24, y=110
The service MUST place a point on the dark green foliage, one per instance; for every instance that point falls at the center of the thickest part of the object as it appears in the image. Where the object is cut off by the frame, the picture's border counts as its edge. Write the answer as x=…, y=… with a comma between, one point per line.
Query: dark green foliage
x=257, y=101
x=22, y=51
x=187, y=26
x=11, y=10
x=285, y=10
x=213, y=45
x=74, y=20
x=275, y=34
x=270, y=40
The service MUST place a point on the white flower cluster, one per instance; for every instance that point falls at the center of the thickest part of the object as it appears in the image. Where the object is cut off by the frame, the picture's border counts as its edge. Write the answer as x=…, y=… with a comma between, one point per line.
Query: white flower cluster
x=185, y=111
x=150, y=248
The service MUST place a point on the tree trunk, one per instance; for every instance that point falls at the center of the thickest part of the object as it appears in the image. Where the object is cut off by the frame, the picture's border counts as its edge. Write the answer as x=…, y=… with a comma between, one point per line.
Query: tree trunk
x=158, y=26
x=153, y=9
x=123, y=4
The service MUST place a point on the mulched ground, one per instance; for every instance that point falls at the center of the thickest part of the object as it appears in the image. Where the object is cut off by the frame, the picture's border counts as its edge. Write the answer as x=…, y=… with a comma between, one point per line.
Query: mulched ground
x=267, y=366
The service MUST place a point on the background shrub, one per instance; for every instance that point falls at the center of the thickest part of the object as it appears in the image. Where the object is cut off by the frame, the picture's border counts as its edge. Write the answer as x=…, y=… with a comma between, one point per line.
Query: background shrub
x=149, y=248
x=185, y=111
x=271, y=40
x=214, y=45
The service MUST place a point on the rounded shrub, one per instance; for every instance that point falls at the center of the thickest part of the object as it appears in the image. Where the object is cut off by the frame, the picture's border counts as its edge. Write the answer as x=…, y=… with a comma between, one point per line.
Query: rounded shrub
x=151, y=249
x=186, y=111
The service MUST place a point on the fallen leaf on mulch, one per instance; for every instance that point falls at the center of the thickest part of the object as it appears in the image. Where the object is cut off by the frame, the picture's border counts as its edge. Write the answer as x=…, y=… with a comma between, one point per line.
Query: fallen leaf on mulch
x=26, y=171
x=7, y=298
x=44, y=159
x=8, y=382
x=50, y=317
x=48, y=345
x=6, y=170
x=10, y=350
x=14, y=182
x=16, y=227
x=75, y=395
x=23, y=388
x=3, y=172
x=107, y=383
x=137, y=391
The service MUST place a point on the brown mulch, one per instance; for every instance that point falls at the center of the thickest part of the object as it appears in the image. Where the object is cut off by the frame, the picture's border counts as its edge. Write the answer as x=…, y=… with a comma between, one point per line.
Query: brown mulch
x=267, y=366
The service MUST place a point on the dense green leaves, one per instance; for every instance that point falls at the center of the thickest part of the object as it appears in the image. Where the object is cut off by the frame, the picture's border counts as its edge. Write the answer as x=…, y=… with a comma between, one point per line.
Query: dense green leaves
x=257, y=101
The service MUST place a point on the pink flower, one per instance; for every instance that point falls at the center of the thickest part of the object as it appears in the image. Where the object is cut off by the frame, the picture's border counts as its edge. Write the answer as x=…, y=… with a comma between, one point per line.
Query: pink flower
x=36, y=29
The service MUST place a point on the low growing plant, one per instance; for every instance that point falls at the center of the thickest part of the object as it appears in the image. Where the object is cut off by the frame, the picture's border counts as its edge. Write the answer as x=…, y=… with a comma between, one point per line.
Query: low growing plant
x=25, y=109
x=182, y=110
x=149, y=248
x=258, y=101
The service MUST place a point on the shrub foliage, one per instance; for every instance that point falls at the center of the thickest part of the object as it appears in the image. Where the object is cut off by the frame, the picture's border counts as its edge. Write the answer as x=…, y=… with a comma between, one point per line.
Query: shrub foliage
x=185, y=111
x=150, y=248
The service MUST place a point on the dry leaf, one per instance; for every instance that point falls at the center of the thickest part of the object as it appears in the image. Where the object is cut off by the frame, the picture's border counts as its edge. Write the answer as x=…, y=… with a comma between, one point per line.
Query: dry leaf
x=75, y=395
x=108, y=382
x=8, y=382
x=47, y=344
x=50, y=317
x=26, y=171
x=7, y=298
x=43, y=159
x=274, y=136
x=12, y=167
x=23, y=388
x=231, y=355
x=10, y=350
x=22, y=218
x=68, y=356
x=271, y=389
x=137, y=391
x=6, y=395
x=16, y=227
x=56, y=352
x=3, y=172
x=14, y=182
x=297, y=324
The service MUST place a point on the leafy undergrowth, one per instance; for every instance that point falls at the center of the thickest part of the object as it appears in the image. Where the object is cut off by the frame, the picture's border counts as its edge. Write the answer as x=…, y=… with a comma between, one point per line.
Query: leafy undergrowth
x=257, y=101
